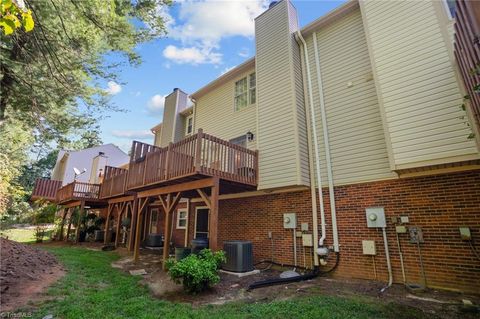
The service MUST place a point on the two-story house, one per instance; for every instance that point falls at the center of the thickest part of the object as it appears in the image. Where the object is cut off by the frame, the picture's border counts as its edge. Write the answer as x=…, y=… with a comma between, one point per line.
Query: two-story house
x=341, y=143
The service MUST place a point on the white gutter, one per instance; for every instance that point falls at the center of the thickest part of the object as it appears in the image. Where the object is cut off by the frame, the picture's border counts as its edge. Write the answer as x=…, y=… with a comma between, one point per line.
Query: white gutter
x=317, y=151
x=327, y=146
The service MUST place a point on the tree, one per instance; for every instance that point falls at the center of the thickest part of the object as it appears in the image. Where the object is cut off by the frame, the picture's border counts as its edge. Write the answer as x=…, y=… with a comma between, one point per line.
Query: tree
x=14, y=15
x=52, y=78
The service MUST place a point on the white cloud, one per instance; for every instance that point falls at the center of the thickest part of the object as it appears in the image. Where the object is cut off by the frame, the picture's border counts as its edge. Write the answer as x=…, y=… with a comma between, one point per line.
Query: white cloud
x=133, y=134
x=244, y=52
x=155, y=104
x=202, y=24
x=113, y=88
x=192, y=55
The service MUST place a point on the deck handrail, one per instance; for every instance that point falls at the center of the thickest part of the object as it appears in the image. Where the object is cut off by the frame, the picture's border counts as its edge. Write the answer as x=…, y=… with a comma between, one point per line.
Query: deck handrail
x=46, y=188
x=199, y=153
x=114, y=182
x=78, y=190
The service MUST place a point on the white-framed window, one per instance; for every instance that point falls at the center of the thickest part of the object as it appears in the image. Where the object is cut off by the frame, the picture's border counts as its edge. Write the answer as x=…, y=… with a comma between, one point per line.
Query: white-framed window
x=182, y=216
x=252, y=88
x=189, y=125
x=450, y=8
x=245, y=91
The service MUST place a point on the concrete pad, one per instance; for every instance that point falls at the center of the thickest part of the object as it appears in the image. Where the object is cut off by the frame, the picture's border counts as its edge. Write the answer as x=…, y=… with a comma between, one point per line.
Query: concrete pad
x=240, y=274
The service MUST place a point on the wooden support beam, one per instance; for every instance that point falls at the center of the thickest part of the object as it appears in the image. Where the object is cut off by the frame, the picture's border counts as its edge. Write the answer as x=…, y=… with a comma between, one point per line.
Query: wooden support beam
x=171, y=205
x=119, y=221
x=133, y=223
x=142, y=202
x=62, y=224
x=163, y=202
x=213, y=219
x=106, y=237
x=205, y=198
x=121, y=199
x=200, y=183
x=69, y=210
x=79, y=223
x=72, y=204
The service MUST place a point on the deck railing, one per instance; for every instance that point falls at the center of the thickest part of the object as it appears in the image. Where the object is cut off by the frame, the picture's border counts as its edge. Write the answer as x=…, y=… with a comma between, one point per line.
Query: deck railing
x=114, y=182
x=467, y=49
x=46, y=188
x=197, y=154
x=78, y=191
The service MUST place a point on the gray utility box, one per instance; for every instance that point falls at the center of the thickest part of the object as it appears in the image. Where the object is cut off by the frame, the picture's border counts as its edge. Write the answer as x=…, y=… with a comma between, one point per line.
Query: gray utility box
x=239, y=255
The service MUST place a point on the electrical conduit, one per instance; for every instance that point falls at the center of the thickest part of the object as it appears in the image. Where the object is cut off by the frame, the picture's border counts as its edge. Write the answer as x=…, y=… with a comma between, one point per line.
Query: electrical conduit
x=317, y=152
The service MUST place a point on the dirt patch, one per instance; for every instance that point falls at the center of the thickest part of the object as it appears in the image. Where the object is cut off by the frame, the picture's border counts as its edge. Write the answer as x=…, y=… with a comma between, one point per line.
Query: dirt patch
x=436, y=303
x=25, y=271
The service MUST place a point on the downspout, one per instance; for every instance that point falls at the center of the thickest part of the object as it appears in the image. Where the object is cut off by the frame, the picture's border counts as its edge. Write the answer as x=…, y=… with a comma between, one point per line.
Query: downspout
x=327, y=146
x=317, y=158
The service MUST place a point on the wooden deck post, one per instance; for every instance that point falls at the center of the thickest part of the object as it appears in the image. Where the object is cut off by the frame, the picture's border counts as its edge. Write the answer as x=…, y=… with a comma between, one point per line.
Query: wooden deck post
x=141, y=206
x=106, y=237
x=62, y=224
x=119, y=222
x=133, y=224
x=198, y=151
x=213, y=220
x=69, y=211
x=80, y=216
x=169, y=207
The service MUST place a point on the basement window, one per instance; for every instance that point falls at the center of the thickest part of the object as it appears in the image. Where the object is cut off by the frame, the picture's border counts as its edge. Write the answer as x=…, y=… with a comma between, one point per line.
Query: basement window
x=182, y=219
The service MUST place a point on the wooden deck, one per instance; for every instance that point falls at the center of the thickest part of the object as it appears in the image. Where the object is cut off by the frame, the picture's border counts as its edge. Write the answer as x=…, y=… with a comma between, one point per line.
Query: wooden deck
x=194, y=157
x=78, y=191
x=467, y=50
x=46, y=189
x=114, y=182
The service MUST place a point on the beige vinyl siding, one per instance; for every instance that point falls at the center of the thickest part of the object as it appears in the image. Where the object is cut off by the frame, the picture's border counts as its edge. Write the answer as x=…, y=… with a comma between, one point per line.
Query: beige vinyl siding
x=169, y=114
x=357, y=141
x=279, y=113
x=216, y=115
x=416, y=83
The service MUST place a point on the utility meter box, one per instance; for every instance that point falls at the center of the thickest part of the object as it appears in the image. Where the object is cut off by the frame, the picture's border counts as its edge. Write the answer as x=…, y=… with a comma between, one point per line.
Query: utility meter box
x=375, y=217
x=368, y=247
x=307, y=240
x=289, y=221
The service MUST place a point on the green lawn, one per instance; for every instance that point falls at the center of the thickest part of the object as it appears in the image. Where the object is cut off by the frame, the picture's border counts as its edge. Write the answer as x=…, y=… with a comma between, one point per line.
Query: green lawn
x=23, y=235
x=93, y=289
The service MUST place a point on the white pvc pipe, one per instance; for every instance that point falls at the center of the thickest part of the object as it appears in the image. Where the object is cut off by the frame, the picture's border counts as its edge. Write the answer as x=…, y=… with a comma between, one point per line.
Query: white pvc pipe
x=315, y=141
x=295, y=247
x=387, y=255
x=331, y=192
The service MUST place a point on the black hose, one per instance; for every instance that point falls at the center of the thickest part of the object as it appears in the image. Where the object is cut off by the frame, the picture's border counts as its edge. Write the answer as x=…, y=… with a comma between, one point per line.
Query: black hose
x=278, y=281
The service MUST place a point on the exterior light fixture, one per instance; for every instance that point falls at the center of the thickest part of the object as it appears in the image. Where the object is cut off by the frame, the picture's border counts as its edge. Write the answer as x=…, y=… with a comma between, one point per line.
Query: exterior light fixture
x=250, y=136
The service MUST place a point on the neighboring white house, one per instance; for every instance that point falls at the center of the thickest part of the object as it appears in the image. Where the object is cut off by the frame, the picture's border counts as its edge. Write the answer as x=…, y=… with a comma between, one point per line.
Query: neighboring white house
x=91, y=160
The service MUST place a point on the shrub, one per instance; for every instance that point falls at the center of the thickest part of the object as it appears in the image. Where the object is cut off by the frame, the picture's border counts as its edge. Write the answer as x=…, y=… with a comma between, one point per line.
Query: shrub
x=196, y=272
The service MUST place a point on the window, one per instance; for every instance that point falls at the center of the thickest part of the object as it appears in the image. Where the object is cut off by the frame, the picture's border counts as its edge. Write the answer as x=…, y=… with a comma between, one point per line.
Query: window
x=189, y=125
x=252, y=88
x=450, y=7
x=245, y=92
x=182, y=216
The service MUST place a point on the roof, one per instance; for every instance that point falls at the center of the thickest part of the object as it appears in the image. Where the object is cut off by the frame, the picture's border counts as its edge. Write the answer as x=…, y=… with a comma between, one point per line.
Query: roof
x=157, y=127
x=225, y=77
x=324, y=20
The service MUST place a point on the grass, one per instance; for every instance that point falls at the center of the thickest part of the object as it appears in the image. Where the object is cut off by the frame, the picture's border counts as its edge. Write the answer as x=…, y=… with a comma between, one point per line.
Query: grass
x=93, y=289
x=23, y=235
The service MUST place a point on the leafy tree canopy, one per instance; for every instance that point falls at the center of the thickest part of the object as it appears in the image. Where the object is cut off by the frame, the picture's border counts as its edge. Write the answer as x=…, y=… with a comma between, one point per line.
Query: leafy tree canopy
x=52, y=77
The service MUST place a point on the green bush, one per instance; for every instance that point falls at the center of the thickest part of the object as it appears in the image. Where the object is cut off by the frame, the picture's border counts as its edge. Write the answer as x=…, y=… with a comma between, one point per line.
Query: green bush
x=196, y=272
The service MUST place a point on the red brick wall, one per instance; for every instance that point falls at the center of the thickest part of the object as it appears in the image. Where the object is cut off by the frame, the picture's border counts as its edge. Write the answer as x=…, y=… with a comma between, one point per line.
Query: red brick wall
x=438, y=204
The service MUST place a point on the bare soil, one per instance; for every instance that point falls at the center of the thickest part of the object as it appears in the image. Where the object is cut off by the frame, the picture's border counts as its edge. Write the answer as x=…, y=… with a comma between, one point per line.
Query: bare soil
x=437, y=303
x=25, y=271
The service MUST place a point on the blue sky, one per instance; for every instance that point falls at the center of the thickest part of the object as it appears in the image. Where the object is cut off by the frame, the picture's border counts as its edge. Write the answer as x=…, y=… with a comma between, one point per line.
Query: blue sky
x=206, y=38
